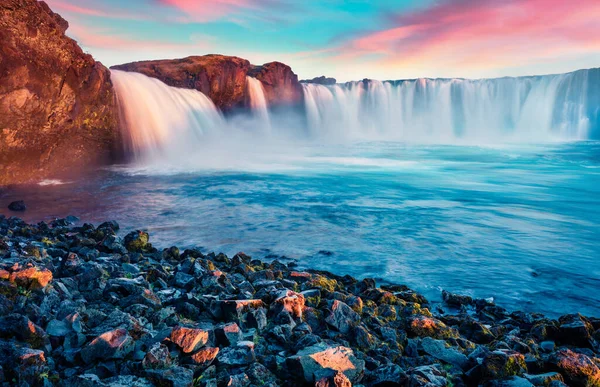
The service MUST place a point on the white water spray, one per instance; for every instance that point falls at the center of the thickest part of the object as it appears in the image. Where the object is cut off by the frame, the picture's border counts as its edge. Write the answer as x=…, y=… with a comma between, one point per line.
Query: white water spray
x=258, y=102
x=533, y=109
x=162, y=121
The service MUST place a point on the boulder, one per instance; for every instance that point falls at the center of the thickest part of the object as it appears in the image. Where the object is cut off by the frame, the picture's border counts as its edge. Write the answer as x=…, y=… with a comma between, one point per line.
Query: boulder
x=439, y=350
x=189, y=339
x=31, y=278
x=18, y=206
x=310, y=362
x=579, y=370
x=114, y=344
x=171, y=377
x=204, y=357
x=57, y=106
x=240, y=354
x=342, y=317
x=158, y=356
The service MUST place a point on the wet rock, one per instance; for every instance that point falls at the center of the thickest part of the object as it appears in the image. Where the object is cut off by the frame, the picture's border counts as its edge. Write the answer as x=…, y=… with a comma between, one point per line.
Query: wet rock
x=137, y=242
x=502, y=364
x=18, y=206
x=456, y=299
x=579, y=370
x=576, y=330
x=342, y=317
x=189, y=339
x=110, y=345
x=309, y=362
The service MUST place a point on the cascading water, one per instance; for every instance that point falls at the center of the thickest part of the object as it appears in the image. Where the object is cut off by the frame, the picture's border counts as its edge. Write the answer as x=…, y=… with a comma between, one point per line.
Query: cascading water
x=258, y=102
x=564, y=107
x=163, y=122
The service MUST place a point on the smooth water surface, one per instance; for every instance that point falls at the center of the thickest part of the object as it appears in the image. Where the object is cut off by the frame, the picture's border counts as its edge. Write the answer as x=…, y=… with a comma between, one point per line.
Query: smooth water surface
x=517, y=223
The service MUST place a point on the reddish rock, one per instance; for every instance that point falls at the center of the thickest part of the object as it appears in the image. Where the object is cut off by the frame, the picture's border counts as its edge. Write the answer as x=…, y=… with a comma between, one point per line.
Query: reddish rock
x=578, y=369
x=221, y=78
x=280, y=83
x=335, y=379
x=291, y=302
x=31, y=278
x=189, y=339
x=114, y=344
x=311, y=362
x=57, y=106
x=204, y=357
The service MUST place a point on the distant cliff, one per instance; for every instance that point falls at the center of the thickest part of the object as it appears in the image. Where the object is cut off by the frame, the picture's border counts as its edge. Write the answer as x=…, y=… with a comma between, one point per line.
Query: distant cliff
x=223, y=78
x=57, y=106
x=322, y=80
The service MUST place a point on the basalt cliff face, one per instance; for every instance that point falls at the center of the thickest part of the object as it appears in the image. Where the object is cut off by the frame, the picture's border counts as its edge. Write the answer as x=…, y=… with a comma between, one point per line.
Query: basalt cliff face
x=223, y=78
x=57, y=106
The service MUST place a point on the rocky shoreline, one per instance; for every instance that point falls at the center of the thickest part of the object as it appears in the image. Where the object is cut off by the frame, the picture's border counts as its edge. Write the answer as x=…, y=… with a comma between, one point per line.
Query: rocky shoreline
x=81, y=306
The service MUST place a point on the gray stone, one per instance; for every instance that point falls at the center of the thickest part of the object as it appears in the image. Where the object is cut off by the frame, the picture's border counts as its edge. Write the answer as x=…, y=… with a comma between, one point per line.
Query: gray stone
x=439, y=350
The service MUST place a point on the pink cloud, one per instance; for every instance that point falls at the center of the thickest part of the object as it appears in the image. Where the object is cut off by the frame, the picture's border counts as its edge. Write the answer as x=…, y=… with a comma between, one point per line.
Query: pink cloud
x=208, y=10
x=482, y=34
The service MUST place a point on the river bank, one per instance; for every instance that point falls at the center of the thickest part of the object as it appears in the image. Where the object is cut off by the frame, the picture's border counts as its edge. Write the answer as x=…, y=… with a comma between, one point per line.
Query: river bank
x=81, y=306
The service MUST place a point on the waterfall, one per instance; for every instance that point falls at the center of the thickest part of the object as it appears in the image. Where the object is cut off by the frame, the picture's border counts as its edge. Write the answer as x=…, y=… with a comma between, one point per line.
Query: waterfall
x=162, y=121
x=258, y=102
x=542, y=108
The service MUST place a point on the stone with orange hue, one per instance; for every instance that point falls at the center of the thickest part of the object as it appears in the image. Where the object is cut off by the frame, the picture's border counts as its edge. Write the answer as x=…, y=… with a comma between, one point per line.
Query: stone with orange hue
x=334, y=379
x=31, y=278
x=204, y=357
x=30, y=364
x=233, y=310
x=289, y=301
x=4, y=275
x=57, y=106
x=579, y=370
x=22, y=328
x=423, y=326
x=114, y=344
x=228, y=334
x=280, y=83
x=310, y=362
x=189, y=339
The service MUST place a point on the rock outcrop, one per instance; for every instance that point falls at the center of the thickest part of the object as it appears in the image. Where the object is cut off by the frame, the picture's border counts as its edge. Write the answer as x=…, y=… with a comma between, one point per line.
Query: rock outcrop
x=57, y=106
x=280, y=83
x=322, y=80
x=223, y=78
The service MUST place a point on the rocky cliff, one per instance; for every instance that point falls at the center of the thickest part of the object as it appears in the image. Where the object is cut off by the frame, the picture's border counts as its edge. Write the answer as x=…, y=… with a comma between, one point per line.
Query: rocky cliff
x=322, y=80
x=223, y=78
x=57, y=106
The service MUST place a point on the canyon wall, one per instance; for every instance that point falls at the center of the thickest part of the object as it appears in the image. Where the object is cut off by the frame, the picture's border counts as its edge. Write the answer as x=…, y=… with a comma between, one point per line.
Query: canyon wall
x=57, y=106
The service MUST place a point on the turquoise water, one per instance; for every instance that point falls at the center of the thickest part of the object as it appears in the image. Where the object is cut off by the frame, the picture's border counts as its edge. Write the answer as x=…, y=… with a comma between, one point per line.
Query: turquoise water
x=517, y=223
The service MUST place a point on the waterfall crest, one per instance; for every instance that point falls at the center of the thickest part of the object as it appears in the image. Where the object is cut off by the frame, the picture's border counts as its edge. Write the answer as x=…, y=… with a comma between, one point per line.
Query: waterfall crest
x=543, y=108
x=258, y=102
x=159, y=120
x=163, y=122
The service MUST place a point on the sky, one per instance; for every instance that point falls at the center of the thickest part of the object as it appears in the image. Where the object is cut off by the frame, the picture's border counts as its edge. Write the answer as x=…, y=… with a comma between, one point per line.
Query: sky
x=348, y=40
